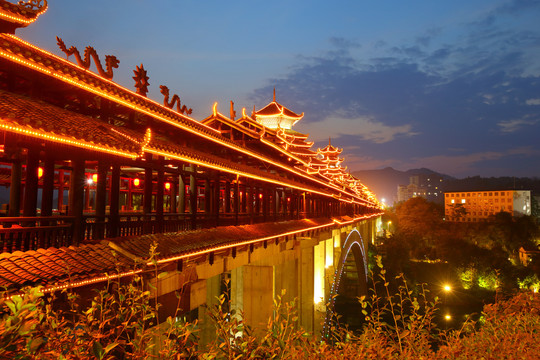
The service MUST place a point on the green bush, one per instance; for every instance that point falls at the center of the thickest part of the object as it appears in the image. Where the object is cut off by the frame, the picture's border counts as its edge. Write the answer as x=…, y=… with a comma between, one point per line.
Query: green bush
x=121, y=322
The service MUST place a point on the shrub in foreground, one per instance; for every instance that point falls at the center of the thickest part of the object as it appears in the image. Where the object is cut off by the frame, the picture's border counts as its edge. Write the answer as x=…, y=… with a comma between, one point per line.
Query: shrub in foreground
x=121, y=323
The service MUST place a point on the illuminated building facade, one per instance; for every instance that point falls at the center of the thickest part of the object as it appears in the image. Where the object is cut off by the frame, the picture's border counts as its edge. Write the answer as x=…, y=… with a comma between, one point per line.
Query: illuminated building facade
x=475, y=206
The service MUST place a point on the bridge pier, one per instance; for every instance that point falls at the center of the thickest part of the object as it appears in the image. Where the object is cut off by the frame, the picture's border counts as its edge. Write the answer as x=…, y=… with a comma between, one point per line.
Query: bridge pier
x=305, y=267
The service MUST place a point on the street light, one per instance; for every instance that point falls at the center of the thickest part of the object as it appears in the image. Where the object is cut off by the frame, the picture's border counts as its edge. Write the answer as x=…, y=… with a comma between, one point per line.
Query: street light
x=447, y=288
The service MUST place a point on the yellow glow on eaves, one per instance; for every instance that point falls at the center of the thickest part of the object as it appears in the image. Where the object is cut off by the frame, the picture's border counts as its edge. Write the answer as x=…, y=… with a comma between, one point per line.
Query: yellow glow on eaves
x=21, y=19
x=131, y=105
x=64, y=140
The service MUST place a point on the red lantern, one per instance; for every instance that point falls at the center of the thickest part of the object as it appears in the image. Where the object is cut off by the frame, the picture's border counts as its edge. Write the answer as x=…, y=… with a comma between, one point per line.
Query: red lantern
x=136, y=182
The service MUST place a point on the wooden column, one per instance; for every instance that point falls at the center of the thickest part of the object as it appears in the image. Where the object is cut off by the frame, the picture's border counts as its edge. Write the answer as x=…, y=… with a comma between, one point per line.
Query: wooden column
x=159, y=195
x=257, y=193
x=101, y=198
x=48, y=187
x=216, y=199
x=77, y=182
x=31, y=183
x=242, y=198
x=236, y=199
x=181, y=195
x=174, y=193
x=207, y=200
x=15, y=189
x=277, y=206
x=147, y=200
x=114, y=201
x=249, y=199
x=193, y=196
x=227, y=201
x=265, y=201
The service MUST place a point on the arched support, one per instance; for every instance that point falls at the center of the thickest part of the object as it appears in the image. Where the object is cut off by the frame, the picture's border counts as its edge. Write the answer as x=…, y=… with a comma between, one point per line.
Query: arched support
x=355, y=244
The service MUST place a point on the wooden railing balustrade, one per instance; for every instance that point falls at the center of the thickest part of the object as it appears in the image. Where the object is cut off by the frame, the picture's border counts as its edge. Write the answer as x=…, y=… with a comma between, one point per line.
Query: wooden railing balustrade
x=32, y=233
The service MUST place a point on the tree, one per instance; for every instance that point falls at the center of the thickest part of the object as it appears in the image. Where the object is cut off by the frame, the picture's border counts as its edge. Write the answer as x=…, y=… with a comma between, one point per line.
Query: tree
x=418, y=217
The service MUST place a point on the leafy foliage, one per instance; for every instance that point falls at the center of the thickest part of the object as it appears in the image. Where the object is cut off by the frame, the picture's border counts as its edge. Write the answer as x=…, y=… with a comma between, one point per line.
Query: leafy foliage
x=120, y=322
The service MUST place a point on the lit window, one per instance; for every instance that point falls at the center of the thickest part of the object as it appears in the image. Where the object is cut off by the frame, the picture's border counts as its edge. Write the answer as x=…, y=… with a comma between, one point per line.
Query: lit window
x=452, y=201
x=463, y=201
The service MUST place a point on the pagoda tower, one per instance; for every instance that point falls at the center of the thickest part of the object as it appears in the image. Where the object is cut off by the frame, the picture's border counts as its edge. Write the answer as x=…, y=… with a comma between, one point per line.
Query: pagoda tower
x=329, y=163
x=276, y=116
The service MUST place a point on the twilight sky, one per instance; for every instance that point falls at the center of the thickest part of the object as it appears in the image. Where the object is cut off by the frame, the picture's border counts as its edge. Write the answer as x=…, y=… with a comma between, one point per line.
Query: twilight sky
x=453, y=86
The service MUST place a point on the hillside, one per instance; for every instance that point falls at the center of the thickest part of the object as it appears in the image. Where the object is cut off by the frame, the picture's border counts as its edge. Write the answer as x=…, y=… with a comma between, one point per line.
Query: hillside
x=384, y=182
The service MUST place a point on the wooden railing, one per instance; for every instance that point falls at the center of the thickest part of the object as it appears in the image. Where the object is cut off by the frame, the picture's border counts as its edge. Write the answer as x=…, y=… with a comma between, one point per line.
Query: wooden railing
x=32, y=233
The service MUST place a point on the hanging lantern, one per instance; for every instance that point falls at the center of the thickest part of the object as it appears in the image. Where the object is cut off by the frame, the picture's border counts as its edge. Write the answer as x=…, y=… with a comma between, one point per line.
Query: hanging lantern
x=94, y=177
x=136, y=182
x=167, y=186
x=40, y=172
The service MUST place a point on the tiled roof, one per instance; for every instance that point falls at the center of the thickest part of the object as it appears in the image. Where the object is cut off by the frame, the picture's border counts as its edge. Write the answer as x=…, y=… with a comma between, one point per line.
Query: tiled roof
x=47, y=266
x=90, y=261
x=56, y=67
x=48, y=120
x=189, y=242
x=275, y=109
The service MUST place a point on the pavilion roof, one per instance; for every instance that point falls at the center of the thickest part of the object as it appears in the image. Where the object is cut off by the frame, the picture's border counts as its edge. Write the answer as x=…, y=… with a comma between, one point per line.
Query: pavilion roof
x=25, y=116
x=275, y=109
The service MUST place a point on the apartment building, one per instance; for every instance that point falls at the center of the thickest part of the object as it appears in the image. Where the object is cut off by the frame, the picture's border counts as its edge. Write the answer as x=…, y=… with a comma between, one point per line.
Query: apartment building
x=474, y=206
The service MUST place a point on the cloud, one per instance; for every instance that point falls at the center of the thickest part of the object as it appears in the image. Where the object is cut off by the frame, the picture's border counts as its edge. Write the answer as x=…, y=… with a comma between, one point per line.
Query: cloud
x=514, y=125
x=343, y=43
x=364, y=128
x=533, y=102
x=475, y=90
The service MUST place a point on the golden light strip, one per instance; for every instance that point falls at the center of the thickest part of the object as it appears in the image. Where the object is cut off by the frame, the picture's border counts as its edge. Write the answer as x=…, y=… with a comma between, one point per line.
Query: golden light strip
x=197, y=253
x=151, y=113
x=82, y=282
x=248, y=175
x=64, y=140
x=269, y=143
x=110, y=82
x=241, y=243
x=232, y=171
x=248, y=242
x=363, y=217
x=20, y=19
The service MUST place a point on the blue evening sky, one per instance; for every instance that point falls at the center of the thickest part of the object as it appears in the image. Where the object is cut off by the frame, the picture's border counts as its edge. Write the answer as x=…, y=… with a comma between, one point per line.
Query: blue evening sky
x=453, y=86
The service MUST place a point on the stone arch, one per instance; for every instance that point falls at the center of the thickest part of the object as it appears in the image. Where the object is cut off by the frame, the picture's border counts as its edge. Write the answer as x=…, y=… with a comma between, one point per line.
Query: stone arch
x=355, y=244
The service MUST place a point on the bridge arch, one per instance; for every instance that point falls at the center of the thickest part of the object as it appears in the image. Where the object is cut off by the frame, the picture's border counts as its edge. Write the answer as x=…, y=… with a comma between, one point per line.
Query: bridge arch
x=353, y=244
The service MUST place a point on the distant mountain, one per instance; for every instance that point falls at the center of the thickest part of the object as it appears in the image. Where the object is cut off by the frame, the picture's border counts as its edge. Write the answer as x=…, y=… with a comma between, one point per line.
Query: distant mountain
x=384, y=182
